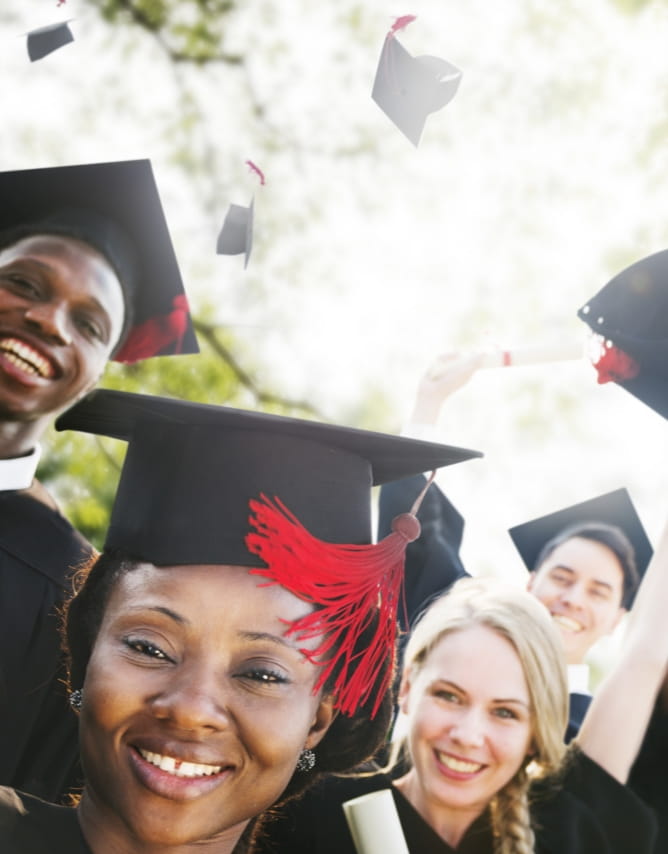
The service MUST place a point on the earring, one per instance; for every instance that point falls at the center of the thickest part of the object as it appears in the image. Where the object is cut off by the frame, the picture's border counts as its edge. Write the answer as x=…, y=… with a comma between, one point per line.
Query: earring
x=76, y=699
x=306, y=761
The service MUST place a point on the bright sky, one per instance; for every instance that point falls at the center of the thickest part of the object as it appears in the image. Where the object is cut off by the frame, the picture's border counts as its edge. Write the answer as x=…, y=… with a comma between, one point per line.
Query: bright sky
x=544, y=177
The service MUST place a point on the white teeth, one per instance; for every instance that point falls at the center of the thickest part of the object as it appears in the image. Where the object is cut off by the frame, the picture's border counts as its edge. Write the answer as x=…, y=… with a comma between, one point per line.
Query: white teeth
x=459, y=764
x=25, y=357
x=567, y=623
x=178, y=768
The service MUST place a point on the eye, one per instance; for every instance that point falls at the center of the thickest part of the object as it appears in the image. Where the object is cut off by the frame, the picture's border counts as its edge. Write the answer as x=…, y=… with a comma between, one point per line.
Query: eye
x=264, y=675
x=23, y=285
x=505, y=713
x=90, y=327
x=446, y=695
x=146, y=648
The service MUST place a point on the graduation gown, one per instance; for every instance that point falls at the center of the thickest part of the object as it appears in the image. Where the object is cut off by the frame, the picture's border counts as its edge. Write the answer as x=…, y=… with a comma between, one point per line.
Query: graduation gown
x=590, y=813
x=38, y=730
x=31, y=826
x=649, y=774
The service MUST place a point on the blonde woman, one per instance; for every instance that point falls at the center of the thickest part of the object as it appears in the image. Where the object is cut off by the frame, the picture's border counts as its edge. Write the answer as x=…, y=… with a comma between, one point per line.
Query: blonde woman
x=483, y=769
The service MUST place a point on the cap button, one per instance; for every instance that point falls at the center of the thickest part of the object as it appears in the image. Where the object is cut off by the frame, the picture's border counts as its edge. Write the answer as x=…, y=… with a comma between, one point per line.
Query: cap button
x=406, y=525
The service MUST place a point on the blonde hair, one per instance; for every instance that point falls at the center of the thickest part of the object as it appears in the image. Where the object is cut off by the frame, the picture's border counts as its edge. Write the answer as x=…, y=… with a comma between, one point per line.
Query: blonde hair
x=522, y=620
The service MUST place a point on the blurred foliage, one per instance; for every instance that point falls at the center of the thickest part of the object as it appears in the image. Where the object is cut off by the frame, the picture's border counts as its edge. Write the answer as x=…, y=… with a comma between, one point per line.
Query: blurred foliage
x=188, y=30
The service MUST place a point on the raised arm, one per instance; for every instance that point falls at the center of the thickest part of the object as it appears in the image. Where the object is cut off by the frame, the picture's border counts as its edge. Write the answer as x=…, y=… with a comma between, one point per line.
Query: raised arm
x=615, y=723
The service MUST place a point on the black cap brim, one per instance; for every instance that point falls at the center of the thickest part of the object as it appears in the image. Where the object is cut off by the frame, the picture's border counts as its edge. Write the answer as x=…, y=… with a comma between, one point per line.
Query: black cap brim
x=191, y=470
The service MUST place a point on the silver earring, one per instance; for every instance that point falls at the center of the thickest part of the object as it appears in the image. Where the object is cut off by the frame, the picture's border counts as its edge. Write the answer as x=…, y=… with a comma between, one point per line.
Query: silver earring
x=306, y=761
x=76, y=699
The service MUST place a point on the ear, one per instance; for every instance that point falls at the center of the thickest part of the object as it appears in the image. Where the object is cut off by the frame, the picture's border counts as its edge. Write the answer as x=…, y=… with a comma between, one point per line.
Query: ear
x=322, y=720
x=530, y=581
x=404, y=691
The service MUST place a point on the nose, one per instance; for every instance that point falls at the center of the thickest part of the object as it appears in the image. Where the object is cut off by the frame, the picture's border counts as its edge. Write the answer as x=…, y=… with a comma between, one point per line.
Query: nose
x=193, y=700
x=469, y=729
x=52, y=320
x=574, y=596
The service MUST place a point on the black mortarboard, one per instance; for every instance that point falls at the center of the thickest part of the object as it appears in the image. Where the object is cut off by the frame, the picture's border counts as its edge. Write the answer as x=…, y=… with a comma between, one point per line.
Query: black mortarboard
x=631, y=313
x=191, y=470
x=45, y=40
x=212, y=485
x=407, y=88
x=236, y=235
x=612, y=508
x=114, y=207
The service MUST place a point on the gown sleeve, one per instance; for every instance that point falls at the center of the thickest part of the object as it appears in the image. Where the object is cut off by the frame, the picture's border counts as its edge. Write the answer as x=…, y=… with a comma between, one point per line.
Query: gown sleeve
x=591, y=813
x=38, y=730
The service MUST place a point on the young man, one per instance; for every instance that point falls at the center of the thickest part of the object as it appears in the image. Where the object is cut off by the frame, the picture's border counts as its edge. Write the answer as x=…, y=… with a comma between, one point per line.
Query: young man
x=87, y=273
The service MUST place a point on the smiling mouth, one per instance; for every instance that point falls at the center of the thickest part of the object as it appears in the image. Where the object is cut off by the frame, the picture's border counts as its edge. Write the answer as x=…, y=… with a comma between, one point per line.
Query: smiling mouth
x=27, y=359
x=567, y=623
x=458, y=765
x=178, y=767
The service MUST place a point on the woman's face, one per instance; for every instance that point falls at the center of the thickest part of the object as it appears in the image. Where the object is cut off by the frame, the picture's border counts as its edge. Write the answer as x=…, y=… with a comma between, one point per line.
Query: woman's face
x=61, y=313
x=469, y=723
x=196, y=706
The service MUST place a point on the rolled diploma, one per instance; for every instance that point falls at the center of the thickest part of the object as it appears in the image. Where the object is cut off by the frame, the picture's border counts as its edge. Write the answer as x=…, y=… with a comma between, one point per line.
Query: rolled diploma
x=374, y=824
x=560, y=351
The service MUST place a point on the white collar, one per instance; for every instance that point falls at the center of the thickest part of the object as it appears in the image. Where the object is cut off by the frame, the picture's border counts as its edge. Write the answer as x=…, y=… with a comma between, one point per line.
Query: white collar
x=578, y=679
x=18, y=472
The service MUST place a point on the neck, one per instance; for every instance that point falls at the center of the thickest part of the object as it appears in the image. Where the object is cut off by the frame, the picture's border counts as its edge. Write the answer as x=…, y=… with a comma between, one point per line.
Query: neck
x=451, y=823
x=18, y=438
x=106, y=832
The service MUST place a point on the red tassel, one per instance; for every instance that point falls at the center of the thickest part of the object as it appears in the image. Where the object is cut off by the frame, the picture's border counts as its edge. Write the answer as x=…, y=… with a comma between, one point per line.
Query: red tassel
x=156, y=334
x=347, y=584
x=614, y=365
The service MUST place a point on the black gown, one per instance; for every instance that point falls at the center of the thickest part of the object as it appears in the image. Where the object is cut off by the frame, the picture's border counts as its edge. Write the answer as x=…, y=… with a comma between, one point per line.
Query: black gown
x=591, y=813
x=38, y=730
x=31, y=826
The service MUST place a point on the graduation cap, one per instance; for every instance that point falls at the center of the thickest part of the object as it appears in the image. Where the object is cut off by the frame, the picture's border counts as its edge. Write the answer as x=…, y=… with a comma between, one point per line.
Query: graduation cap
x=630, y=314
x=610, y=509
x=114, y=207
x=45, y=40
x=236, y=235
x=408, y=88
x=192, y=471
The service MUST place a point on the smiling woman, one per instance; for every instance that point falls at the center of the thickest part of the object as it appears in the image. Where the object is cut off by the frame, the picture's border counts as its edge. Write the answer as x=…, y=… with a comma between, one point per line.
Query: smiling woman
x=235, y=639
x=483, y=768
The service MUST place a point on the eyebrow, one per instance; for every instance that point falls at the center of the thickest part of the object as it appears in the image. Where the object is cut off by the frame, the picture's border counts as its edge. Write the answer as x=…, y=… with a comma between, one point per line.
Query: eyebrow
x=161, y=609
x=268, y=636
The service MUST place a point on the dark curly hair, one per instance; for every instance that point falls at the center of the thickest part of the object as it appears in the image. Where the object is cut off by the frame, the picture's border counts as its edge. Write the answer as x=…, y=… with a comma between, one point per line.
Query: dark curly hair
x=350, y=740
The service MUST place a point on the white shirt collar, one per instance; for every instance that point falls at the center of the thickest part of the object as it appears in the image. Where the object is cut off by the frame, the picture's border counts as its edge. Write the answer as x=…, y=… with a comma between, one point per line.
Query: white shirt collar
x=578, y=679
x=18, y=472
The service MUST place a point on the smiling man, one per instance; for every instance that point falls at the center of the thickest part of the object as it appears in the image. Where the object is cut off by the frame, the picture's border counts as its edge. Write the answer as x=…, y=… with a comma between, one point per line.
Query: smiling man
x=87, y=273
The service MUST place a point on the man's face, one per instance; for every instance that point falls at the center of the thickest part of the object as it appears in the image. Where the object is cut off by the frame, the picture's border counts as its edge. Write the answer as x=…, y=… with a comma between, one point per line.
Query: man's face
x=581, y=584
x=61, y=313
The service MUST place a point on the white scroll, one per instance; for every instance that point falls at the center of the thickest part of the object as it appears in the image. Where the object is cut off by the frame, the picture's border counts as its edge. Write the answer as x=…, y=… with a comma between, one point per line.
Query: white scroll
x=374, y=824
x=556, y=351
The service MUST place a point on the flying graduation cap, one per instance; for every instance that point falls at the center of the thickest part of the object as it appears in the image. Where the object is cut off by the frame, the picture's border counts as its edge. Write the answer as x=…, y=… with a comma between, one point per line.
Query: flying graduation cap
x=613, y=509
x=408, y=88
x=630, y=314
x=289, y=498
x=236, y=235
x=114, y=207
x=44, y=40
